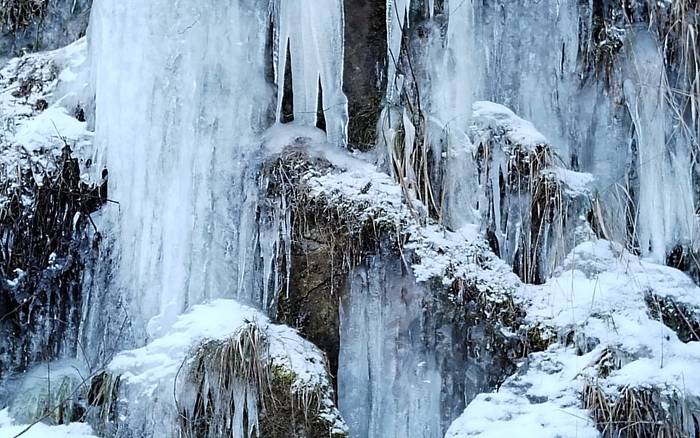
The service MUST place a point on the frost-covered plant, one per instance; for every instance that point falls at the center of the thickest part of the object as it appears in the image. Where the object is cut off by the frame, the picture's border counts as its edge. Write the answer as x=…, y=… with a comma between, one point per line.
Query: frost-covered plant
x=638, y=412
x=233, y=387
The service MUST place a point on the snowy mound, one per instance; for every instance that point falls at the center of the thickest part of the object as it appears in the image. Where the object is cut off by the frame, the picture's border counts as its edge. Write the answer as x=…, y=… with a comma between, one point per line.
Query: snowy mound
x=157, y=363
x=41, y=98
x=615, y=344
x=365, y=198
x=164, y=368
x=495, y=116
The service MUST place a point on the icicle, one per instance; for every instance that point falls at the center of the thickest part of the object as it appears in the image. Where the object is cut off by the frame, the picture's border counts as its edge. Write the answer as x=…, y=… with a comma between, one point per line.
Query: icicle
x=396, y=23
x=665, y=211
x=408, y=146
x=312, y=34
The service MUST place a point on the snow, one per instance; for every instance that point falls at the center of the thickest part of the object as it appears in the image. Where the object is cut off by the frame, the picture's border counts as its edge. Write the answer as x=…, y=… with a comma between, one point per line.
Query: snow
x=159, y=360
x=365, y=194
x=495, y=116
x=462, y=254
x=52, y=128
x=32, y=138
x=574, y=183
x=599, y=292
x=8, y=429
x=156, y=364
x=541, y=404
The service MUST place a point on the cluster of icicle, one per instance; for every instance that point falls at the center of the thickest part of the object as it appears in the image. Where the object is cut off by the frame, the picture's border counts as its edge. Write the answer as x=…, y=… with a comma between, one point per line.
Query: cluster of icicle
x=529, y=58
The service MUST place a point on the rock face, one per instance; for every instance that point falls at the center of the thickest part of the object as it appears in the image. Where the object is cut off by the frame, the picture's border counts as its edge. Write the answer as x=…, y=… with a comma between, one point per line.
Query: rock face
x=323, y=250
x=365, y=60
x=316, y=286
x=30, y=25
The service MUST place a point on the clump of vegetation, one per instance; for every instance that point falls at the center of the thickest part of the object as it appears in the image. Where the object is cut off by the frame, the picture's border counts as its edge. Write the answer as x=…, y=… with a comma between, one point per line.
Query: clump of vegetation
x=103, y=394
x=232, y=387
x=19, y=14
x=45, y=227
x=349, y=235
x=54, y=397
x=635, y=411
x=638, y=412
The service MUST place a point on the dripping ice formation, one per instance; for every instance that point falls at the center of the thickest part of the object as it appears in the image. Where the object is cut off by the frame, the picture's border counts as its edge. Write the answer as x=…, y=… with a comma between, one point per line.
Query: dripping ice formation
x=389, y=383
x=511, y=140
x=313, y=38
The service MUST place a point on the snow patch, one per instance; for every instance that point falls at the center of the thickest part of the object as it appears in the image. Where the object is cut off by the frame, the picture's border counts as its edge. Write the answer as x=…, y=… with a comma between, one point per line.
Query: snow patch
x=519, y=131
x=9, y=429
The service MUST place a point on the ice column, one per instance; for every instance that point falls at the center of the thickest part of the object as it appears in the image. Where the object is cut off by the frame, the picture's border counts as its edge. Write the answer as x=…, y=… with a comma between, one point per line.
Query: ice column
x=181, y=98
x=388, y=381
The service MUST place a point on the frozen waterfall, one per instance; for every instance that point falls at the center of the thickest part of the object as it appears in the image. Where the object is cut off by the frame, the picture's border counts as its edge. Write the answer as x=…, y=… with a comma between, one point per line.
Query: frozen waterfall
x=387, y=248
x=666, y=213
x=178, y=123
x=389, y=382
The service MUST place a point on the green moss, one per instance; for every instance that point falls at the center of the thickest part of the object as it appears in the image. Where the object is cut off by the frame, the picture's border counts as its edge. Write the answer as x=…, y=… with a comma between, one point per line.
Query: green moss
x=282, y=378
x=537, y=338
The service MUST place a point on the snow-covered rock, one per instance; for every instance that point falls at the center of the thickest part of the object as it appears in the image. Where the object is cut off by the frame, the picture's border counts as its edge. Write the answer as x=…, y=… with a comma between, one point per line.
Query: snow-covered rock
x=609, y=343
x=156, y=385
